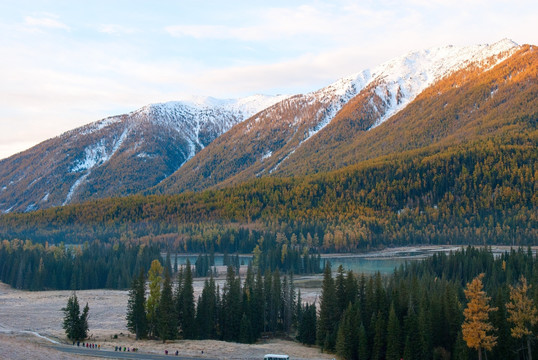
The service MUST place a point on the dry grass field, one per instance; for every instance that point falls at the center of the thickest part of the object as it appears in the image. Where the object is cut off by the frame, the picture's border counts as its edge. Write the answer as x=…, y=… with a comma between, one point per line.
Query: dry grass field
x=24, y=312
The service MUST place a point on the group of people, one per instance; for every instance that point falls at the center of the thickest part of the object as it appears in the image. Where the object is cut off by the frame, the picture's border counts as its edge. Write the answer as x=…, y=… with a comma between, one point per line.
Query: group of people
x=166, y=352
x=89, y=345
x=98, y=347
x=116, y=348
x=119, y=348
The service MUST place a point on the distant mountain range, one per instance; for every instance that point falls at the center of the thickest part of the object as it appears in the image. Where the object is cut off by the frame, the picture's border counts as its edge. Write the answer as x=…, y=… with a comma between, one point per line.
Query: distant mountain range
x=431, y=98
x=119, y=155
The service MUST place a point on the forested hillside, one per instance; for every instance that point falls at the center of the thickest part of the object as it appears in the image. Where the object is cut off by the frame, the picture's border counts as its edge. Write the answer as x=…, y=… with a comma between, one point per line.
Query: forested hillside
x=477, y=193
x=465, y=106
x=478, y=101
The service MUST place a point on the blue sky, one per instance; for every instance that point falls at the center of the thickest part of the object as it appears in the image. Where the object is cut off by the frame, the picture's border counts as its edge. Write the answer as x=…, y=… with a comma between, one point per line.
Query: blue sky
x=66, y=63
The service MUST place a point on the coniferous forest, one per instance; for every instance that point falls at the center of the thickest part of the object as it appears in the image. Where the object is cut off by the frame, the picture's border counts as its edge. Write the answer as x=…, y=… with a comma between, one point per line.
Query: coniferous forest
x=482, y=192
x=29, y=266
x=464, y=305
x=25, y=265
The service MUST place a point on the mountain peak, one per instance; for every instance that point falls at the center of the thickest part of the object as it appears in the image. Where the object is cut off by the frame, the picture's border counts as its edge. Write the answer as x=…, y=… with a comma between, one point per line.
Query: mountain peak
x=129, y=153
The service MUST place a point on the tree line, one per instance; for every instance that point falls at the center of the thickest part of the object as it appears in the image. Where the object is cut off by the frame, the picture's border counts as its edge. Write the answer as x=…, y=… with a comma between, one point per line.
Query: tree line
x=462, y=305
x=239, y=311
x=29, y=266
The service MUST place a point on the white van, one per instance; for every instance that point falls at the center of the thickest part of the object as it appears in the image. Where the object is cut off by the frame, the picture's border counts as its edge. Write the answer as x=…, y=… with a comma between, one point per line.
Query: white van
x=276, y=357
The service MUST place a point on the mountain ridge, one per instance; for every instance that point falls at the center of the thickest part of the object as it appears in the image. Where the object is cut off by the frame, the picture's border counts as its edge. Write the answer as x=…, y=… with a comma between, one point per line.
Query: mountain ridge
x=118, y=155
x=264, y=142
x=203, y=142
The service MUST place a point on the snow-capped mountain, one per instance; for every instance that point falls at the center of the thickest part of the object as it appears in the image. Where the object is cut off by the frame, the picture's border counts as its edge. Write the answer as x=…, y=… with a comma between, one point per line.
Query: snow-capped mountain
x=274, y=138
x=409, y=102
x=119, y=155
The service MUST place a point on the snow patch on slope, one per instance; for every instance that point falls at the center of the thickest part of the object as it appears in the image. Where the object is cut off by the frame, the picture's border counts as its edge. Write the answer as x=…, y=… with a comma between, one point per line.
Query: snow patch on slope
x=94, y=155
x=97, y=154
x=403, y=78
x=397, y=82
x=400, y=80
x=196, y=116
x=74, y=187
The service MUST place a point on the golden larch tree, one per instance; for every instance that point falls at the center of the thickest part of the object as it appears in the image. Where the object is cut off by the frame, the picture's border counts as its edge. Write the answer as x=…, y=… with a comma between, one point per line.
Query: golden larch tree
x=155, y=282
x=522, y=313
x=476, y=326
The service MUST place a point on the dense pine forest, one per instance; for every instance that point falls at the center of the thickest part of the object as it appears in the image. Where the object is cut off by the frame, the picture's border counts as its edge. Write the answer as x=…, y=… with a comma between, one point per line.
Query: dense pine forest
x=430, y=309
x=25, y=265
x=483, y=192
x=28, y=266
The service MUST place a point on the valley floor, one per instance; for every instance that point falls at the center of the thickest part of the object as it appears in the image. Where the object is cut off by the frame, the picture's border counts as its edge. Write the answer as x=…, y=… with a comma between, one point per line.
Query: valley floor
x=24, y=312
x=31, y=322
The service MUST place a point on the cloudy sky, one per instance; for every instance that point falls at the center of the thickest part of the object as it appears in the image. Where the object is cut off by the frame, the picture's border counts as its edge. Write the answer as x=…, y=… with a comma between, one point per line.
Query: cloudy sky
x=66, y=63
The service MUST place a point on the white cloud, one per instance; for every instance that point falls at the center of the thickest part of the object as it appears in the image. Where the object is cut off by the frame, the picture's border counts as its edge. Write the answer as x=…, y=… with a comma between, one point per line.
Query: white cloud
x=115, y=29
x=285, y=23
x=46, y=21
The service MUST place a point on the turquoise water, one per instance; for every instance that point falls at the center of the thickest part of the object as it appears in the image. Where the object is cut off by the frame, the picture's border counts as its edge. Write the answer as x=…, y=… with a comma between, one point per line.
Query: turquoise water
x=359, y=264
x=367, y=265
x=182, y=259
x=384, y=261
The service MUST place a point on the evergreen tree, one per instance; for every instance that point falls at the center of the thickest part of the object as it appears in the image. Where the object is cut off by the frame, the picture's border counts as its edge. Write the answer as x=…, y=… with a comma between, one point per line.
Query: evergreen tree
x=347, y=336
x=378, y=349
x=258, y=306
x=136, y=307
x=363, y=344
x=476, y=325
x=231, y=307
x=393, y=335
x=276, y=302
x=166, y=319
x=267, y=288
x=188, y=325
x=75, y=324
x=328, y=312
x=424, y=333
x=351, y=287
x=178, y=298
x=505, y=341
x=307, y=328
x=168, y=263
x=206, y=311
x=341, y=293
x=245, y=331
x=83, y=322
x=298, y=308
x=412, y=346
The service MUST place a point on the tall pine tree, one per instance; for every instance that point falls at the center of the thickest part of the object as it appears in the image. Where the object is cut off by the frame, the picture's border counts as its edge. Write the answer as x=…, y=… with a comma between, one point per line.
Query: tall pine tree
x=75, y=324
x=188, y=325
x=136, y=307
x=166, y=319
x=328, y=312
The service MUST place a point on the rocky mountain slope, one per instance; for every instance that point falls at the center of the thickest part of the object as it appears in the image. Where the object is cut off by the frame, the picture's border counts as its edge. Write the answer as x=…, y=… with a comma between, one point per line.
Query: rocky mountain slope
x=303, y=133
x=436, y=97
x=119, y=155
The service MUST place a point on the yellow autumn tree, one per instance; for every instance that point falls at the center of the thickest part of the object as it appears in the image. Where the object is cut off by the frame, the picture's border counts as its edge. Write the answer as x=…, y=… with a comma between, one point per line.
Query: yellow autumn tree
x=155, y=281
x=476, y=326
x=522, y=313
